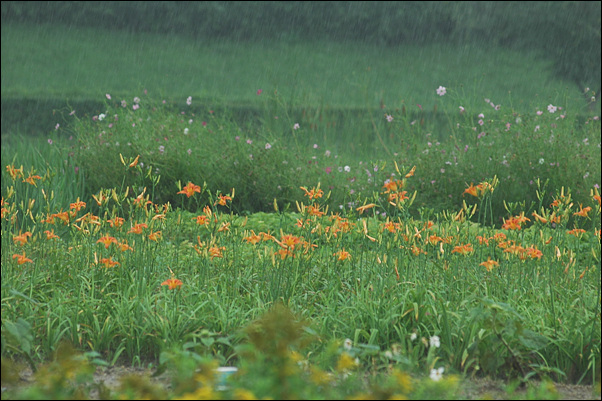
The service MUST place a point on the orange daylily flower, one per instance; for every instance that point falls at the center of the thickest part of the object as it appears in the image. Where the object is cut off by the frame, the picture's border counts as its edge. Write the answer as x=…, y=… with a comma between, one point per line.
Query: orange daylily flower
x=284, y=252
x=109, y=262
x=511, y=224
x=576, y=232
x=22, y=258
x=314, y=211
x=342, y=255
x=172, y=283
x=411, y=172
x=391, y=226
x=78, y=205
x=216, y=252
x=14, y=172
x=31, y=179
x=137, y=229
x=190, y=189
x=289, y=241
x=201, y=220
x=267, y=236
x=401, y=196
x=116, y=222
x=123, y=246
x=223, y=200
x=314, y=192
x=583, y=211
x=483, y=240
x=489, y=264
x=463, y=249
x=253, y=238
x=393, y=185
x=154, y=236
x=533, y=252
x=50, y=234
x=471, y=190
x=107, y=241
x=22, y=238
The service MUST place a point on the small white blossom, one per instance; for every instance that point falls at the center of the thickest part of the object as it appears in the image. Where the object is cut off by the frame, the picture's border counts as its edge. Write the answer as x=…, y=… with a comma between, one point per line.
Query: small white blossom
x=437, y=374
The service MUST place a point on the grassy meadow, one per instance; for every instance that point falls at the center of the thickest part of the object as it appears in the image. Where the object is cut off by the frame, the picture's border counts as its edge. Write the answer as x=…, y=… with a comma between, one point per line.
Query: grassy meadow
x=334, y=220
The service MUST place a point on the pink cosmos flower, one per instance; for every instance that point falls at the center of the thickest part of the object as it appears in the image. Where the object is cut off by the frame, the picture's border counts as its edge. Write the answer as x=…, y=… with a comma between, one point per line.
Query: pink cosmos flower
x=441, y=91
x=108, y=96
x=259, y=91
x=268, y=146
x=296, y=126
x=189, y=100
x=552, y=109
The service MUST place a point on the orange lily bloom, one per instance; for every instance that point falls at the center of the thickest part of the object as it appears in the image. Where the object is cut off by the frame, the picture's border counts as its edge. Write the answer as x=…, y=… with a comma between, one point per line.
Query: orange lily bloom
x=314, y=211
x=253, y=238
x=201, y=220
x=342, y=255
x=14, y=172
x=190, y=189
x=289, y=241
x=123, y=246
x=471, y=190
x=576, y=232
x=583, y=211
x=31, y=180
x=216, y=252
x=223, y=200
x=313, y=193
x=107, y=241
x=154, y=236
x=463, y=249
x=109, y=262
x=50, y=234
x=137, y=229
x=116, y=222
x=489, y=264
x=172, y=283
x=22, y=258
x=22, y=238
x=78, y=205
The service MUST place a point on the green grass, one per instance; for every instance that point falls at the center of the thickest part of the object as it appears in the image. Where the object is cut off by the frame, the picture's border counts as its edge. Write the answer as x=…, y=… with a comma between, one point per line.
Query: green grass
x=51, y=61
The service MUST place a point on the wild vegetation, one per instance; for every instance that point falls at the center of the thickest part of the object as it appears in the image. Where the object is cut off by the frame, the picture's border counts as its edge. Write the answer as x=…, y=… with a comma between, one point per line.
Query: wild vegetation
x=327, y=244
